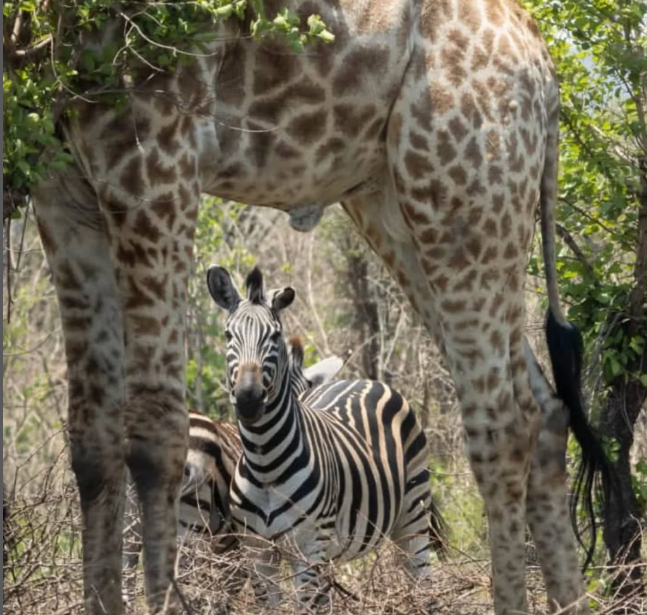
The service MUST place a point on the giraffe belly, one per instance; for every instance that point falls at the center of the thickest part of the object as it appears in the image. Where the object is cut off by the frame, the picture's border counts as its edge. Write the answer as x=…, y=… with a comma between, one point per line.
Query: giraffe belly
x=302, y=130
x=304, y=188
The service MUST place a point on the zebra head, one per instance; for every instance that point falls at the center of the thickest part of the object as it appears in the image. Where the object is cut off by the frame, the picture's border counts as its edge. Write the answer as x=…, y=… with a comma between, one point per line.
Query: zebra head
x=257, y=356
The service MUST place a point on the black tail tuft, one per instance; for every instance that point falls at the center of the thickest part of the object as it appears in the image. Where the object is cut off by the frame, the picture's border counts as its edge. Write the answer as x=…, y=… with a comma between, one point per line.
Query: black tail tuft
x=595, y=474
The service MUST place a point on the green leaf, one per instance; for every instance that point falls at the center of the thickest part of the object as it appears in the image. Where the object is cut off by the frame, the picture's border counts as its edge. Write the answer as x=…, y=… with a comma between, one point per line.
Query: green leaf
x=87, y=61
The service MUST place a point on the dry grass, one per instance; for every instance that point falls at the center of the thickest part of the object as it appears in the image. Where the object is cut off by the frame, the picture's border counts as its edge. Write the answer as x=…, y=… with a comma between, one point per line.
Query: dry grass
x=43, y=572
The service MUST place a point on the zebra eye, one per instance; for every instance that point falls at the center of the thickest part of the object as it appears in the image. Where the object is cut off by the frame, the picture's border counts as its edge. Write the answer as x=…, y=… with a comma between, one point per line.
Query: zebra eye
x=228, y=335
x=276, y=336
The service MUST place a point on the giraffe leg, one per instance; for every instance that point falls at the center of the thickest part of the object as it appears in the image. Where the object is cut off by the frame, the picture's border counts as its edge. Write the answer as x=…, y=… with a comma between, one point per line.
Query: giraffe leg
x=547, y=501
x=547, y=510
x=466, y=175
x=155, y=416
x=480, y=331
x=151, y=224
x=74, y=240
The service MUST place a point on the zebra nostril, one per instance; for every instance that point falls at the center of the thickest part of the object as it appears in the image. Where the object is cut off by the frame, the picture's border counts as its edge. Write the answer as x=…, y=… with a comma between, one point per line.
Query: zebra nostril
x=250, y=397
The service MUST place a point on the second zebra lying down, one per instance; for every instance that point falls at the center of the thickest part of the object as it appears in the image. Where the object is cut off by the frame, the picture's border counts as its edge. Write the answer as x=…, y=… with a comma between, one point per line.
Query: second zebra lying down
x=328, y=475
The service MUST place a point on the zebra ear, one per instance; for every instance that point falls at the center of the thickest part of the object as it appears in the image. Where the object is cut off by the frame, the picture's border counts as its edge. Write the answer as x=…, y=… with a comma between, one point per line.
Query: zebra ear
x=323, y=371
x=254, y=286
x=282, y=298
x=222, y=289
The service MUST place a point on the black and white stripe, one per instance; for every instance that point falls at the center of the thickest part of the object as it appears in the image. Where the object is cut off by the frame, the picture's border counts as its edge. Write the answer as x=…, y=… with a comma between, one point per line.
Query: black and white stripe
x=330, y=474
x=214, y=450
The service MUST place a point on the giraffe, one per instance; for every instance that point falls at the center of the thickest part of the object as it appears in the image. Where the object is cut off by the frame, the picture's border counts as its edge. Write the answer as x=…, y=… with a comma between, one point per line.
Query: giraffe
x=435, y=124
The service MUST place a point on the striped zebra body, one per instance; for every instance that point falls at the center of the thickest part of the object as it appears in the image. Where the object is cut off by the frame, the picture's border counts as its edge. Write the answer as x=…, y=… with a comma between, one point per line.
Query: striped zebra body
x=329, y=474
x=356, y=471
x=214, y=450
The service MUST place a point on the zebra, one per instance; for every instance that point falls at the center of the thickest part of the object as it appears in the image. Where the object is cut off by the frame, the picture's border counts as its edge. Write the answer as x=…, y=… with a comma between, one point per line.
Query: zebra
x=328, y=474
x=213, y=452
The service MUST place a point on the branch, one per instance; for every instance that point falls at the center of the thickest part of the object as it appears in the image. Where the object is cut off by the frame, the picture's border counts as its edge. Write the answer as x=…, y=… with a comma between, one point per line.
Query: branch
x=572, y=244
x=9, y=281
x=626, y=157
x=565, y=115
x=34, y=49
x=588, y=216
x=311, y=301
x=10, y=201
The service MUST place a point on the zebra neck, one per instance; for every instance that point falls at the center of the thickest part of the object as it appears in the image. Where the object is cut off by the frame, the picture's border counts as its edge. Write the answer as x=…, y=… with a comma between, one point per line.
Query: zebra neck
x=277, y=442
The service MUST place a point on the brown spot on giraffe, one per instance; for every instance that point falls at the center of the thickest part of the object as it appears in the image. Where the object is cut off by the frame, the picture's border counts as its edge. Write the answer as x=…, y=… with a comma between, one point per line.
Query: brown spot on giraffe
x=349, y=120
x=418, y=166
x=158, y=173
x=445, y=151
x=458, y=174
x=358, y=67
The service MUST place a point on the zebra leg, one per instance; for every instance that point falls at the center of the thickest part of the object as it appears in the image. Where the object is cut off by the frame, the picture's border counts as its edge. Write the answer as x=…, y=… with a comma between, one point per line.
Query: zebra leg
x=313, y=591
x=414, y=533
x=419, y=528
x=235, y=575
x=263, y=565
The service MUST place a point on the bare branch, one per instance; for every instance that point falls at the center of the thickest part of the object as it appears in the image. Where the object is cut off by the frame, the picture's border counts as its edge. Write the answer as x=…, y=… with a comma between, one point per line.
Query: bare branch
x=569, y=240
x=34, y=49
x=588, y=216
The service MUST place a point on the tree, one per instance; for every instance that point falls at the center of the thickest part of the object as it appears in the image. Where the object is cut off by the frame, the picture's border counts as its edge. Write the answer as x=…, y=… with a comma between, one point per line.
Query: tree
x=599, y=48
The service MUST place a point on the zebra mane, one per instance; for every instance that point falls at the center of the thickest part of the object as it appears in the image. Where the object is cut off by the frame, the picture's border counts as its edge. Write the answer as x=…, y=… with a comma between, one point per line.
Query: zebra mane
x=254, y=286
x=296, y=345
x=296, y=353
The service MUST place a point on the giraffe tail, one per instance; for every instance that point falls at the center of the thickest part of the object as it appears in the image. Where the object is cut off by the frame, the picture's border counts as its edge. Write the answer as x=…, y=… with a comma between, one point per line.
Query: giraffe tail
x=595, y=476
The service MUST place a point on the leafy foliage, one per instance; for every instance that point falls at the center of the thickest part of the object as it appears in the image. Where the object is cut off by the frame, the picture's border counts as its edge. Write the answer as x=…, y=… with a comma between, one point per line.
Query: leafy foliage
x=599, y=49
x=58, y=51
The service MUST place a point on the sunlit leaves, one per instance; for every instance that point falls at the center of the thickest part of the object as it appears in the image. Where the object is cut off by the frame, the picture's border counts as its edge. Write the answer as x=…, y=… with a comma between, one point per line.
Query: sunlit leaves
x=599, y=51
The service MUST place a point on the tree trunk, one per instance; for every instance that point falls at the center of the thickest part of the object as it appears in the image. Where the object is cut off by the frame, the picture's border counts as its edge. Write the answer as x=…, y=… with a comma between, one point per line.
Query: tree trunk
x=366, y=317
x=622, y=531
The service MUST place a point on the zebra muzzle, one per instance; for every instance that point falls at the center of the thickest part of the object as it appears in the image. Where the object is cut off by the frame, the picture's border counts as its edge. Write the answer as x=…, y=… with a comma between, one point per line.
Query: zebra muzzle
x=250, y=397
